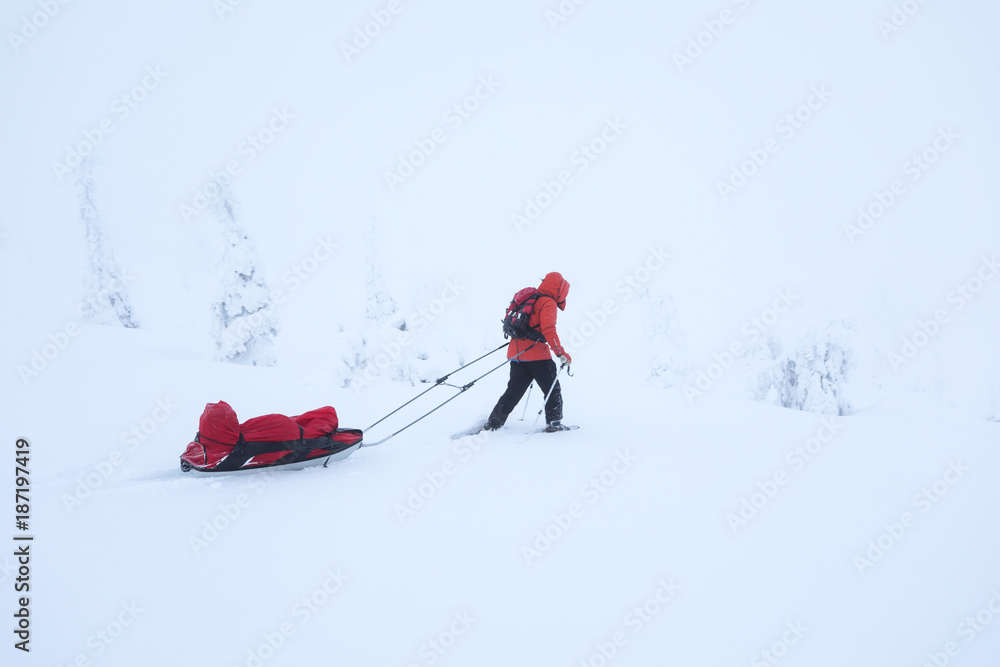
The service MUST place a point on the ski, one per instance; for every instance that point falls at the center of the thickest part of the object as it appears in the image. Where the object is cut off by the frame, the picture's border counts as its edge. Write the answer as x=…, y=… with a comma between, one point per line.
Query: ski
x=556, y=429
x=471, y=431
x=479, y=429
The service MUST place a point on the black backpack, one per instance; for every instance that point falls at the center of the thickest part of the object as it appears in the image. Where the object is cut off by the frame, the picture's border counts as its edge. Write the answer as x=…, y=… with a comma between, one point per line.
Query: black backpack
x=515, y=322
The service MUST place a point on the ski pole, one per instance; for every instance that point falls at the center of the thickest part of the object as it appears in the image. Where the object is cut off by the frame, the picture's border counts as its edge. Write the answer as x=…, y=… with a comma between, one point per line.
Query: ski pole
x=526, y=401
x=551, y=389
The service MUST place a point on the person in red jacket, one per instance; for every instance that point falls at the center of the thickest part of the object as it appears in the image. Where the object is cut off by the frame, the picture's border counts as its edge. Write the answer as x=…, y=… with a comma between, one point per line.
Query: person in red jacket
x=531, y=360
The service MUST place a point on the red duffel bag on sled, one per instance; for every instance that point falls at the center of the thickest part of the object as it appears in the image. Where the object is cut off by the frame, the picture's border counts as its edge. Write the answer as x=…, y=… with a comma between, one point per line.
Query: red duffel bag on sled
x=223, y=445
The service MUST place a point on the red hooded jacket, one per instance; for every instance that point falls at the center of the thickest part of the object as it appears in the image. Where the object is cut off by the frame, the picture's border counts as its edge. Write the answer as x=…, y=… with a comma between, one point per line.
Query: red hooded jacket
x=543, y=318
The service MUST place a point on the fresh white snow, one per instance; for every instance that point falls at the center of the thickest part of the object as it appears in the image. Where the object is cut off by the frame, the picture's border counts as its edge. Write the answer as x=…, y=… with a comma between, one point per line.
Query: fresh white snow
x=779, y=223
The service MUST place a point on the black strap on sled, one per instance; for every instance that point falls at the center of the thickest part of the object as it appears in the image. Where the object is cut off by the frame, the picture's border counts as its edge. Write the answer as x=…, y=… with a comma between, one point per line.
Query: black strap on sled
x=298, y=450
x=461, y=390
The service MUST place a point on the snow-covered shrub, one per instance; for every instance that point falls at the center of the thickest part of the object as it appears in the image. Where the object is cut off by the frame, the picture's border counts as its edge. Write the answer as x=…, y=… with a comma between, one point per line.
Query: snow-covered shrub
x=245, y=318
x=668, y=358
x=993, y=411
x=106, y=299
x=347, y=343
x=811, y=377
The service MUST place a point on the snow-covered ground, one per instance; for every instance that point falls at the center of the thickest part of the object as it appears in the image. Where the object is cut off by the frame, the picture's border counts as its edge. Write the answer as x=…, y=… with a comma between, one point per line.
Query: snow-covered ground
x=779, y=225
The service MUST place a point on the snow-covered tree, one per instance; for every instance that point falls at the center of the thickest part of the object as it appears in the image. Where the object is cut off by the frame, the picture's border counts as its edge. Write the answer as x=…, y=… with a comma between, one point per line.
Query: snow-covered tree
x=246, y=320
x=668, y=358
x=106, y=299
x=379, y=305
x=381, y=352
x=811, y=377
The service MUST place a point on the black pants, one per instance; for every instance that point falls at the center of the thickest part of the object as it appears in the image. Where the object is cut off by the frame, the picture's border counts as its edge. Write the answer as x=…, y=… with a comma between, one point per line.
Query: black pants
x=521, y=375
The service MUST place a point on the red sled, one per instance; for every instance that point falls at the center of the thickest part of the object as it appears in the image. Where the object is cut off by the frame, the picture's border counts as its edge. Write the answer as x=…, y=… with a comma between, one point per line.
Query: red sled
x=224, y=445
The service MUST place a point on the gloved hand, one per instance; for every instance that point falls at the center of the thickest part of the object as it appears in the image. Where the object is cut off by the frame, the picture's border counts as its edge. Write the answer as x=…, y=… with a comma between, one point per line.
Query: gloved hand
x=563, y=355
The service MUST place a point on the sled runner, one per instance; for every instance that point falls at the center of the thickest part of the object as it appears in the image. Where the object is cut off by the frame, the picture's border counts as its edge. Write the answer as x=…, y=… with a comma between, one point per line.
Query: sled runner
x=223, y=445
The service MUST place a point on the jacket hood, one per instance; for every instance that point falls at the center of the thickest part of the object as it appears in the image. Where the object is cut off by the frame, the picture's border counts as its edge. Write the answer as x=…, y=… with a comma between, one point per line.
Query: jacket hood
x=555, y=286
